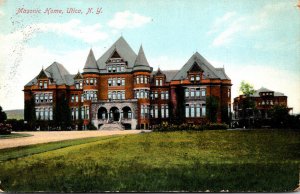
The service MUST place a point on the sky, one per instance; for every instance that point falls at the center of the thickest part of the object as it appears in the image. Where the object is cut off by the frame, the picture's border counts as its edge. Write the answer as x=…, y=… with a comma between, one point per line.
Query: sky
x=257, y=41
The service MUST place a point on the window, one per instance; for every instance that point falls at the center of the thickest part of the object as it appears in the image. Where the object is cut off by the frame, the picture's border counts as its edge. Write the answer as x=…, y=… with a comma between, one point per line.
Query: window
x=122, y=68
x=162, y=95
x=50, y=114
x=46, y=97
x=72, y=98
x=167, y=95
x=198, y=110
x=41, y=84
x=187, y=111
x=197, y=77
x=88, y=112
x=162, y=111
x=50, y=97
x=186, y=92
x=36, y=98
x=114, y=69
x=119, y=82
x=192, y=110
x=197, y=92
x=45, y=84
x=142, y=79
x=80, y=84
x=203, y=111
x=123, y=95
x=229, y=93
x=156, y=94
x=156, y=82
x=192, y=78
x=76, y=98
x=114, y=82
x=203, y=92
x=155, y=111
x=160, y=82
x=192, y=92
x=167, y=111
x=123, y=82
x=109, y=69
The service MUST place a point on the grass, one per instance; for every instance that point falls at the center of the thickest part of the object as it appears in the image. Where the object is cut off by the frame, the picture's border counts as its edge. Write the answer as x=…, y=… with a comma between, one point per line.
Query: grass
x=23, y=151
x=175, y=161
x=14, y=135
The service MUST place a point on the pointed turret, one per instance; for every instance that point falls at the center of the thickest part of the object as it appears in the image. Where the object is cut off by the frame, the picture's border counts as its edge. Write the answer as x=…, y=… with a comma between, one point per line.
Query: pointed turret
x=141, y=63
x=91, y=64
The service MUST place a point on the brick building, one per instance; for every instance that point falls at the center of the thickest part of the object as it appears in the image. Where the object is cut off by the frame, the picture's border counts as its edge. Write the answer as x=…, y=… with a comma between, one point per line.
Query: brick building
x=121, y=89
x=263, y=100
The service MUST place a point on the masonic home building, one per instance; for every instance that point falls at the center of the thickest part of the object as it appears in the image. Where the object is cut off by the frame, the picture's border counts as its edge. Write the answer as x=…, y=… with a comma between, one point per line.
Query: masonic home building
x=121, y=90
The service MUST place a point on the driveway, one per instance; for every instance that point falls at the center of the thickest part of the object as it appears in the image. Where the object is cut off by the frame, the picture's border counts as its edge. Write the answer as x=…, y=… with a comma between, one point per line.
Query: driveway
x=52, y=136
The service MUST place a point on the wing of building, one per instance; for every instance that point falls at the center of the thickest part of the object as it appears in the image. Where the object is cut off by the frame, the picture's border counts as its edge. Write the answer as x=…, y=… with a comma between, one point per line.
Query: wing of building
x=121, y=90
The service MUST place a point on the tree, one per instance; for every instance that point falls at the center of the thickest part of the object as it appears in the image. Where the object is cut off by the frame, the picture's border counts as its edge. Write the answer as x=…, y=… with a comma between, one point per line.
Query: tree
x=212, y=103
x=280, y=116
x=3, y=116
x=247, y=105
x=246, y=88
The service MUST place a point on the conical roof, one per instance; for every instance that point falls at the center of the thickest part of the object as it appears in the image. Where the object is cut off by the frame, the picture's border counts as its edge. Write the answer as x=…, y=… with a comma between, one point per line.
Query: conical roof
x=124, y=51
x=141, y=62
x=91, y=64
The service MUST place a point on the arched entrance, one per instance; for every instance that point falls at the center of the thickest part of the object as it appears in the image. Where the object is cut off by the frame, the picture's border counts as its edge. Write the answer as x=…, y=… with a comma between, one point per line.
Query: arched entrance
x=102, y=113
x=114, y=114
x=127, y=114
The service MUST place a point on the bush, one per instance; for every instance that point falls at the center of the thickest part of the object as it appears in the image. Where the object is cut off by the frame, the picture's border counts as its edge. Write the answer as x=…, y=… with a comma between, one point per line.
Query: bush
x=5, y=129
x=190, y=127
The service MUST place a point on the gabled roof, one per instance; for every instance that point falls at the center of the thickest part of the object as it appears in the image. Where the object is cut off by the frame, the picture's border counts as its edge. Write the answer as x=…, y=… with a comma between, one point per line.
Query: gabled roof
x=78, y=76
x=262, y=89
x=91, y=64
x=159, y=72
x=195, y=67
x=141, y=62
x=208, y=70
x=169, y=74
x=123, y=49
x=43, y=74
x=58, y=73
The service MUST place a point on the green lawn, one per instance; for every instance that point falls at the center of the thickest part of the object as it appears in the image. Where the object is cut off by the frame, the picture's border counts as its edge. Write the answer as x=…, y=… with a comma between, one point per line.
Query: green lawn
x=176, y=161
x=14, y=135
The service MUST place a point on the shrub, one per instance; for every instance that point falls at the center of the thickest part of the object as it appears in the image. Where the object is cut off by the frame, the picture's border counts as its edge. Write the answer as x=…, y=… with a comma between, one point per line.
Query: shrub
x=5, y=129
x=190, y=127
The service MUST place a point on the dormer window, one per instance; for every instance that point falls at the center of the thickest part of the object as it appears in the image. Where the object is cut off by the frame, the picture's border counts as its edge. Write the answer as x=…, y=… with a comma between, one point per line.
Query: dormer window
x=41, y=84
x=122, y=68
x=192, y=78
x=45, y=84
x=114, y=69
x=197, y=77
x=109, y=68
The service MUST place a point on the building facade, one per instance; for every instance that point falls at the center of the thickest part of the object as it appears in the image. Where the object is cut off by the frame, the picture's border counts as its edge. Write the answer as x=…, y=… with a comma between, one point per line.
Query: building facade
x=263, y=100
x=121, y=89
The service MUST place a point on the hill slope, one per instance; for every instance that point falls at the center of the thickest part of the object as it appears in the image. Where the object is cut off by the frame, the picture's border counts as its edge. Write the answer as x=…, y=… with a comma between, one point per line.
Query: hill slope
x=15, y=114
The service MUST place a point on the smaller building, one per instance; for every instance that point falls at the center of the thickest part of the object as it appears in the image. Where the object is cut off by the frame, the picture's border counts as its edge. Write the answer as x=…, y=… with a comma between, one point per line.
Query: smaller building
x=257, y=106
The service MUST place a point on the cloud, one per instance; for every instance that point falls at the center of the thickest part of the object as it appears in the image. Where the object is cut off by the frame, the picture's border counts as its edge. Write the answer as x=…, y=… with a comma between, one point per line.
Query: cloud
x=127, y=19
x=220, y=22
x=269, y=77
x=231, y=24
x=73, y=28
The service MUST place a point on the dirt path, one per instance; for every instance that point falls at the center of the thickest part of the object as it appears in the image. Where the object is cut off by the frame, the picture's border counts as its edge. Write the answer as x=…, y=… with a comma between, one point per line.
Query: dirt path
x=51, y=136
